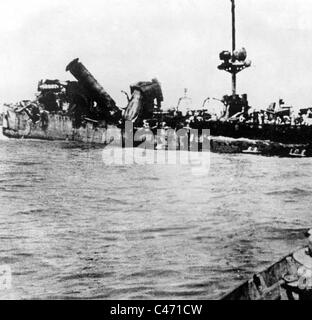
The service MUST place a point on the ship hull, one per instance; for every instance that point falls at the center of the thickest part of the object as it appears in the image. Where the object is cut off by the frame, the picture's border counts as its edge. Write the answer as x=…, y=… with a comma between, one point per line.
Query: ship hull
x=60, y=127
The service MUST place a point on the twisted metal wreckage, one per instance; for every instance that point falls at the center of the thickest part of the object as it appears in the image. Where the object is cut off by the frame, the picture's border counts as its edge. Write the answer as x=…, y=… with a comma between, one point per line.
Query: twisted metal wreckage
x=78, y=110
x=83, y=111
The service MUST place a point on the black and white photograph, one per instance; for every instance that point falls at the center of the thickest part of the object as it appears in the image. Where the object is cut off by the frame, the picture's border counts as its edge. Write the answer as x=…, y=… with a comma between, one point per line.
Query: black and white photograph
x=156, y=151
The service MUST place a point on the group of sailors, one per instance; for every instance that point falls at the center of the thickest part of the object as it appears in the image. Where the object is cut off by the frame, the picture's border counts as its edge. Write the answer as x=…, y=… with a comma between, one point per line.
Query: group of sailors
x=162, y=136
x=198, y=118
x=280, y=118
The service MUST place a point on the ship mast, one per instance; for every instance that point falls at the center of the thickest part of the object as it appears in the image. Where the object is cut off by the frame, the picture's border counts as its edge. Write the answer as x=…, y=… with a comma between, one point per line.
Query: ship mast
x=233, y=46
x=235, y=61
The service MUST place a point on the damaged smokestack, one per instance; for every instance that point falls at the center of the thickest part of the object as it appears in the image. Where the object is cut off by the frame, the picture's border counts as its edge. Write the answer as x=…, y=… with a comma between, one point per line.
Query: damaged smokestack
x=86, y=79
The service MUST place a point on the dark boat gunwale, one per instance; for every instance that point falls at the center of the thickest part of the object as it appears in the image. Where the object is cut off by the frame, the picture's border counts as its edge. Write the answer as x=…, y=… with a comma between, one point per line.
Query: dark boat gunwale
x=271, y=276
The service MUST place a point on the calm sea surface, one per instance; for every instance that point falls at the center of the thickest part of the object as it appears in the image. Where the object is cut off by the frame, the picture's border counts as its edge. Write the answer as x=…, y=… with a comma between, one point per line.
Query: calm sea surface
x=74, y=227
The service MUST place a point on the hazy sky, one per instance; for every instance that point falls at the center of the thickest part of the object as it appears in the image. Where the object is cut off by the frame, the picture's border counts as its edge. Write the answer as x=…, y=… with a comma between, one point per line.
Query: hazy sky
x=177, y=41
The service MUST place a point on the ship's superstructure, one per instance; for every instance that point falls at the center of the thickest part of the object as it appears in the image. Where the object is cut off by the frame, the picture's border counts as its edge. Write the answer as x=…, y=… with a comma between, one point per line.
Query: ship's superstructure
x=82, y=110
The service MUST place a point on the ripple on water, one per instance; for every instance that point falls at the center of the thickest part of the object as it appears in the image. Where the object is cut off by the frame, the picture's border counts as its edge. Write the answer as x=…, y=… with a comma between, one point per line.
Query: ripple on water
x=30, y=212
x=72, y=228
x=91, y=275
x=294, y=192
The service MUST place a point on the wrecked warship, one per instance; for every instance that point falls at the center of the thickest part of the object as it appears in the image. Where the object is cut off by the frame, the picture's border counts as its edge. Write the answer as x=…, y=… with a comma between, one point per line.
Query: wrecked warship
x=79, y=110
x=75, y=110
x=83, y=111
